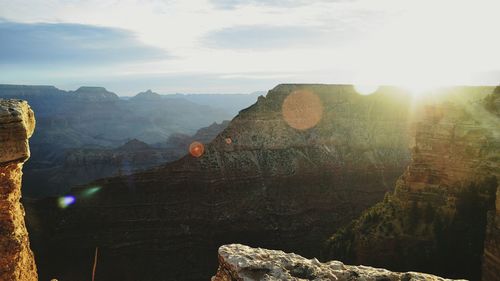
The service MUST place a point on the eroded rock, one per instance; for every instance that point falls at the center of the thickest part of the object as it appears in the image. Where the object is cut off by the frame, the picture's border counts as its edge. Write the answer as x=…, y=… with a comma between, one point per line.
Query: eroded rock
x=436, y=220
x=242, y=263
x=17, y=123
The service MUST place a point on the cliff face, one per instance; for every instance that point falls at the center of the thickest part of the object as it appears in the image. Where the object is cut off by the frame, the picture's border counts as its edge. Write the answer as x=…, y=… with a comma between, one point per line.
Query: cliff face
x=491, y=258
x=436, y=220
x=17, y=123
x=261, y=182
x=239, y=262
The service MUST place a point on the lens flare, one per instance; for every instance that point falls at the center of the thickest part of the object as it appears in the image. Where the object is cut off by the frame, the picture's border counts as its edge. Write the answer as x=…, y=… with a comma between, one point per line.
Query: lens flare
x=365, y=89
x=90, y=191
x=65, y=201
x=196, y=149
x=302, y=109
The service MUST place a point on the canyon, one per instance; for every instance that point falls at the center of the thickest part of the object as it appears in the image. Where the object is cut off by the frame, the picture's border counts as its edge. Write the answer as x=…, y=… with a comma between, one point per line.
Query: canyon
x=84, y=164
x=286, y=173
x=260, y=182
x=90, y=124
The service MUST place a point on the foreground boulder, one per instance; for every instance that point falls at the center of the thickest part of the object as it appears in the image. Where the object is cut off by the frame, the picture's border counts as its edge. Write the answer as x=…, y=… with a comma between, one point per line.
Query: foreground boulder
x=239, y=262
x=17, y=123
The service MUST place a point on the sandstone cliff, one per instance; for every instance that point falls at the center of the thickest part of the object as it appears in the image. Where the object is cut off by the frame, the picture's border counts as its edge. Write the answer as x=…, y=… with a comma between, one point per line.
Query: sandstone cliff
x=17, y=123
x=436, y=220
x=261, y=182
x=239, y=262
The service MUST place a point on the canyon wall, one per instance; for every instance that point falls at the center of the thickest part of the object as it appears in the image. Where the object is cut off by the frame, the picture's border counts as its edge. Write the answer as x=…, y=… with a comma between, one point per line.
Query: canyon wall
x=285, y=173
x=239, y=262
x=17, y=123
x=491, y=257
x=436, y=219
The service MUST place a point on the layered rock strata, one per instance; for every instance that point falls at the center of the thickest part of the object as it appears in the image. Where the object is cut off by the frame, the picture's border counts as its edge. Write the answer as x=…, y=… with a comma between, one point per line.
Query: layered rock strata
x=491, y=257
x=17, y=123
x=261, y=182
x=436, y=220
x=238, y=262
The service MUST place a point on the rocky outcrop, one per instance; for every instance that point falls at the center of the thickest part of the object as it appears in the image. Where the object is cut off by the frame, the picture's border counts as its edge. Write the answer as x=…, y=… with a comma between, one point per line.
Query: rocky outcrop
x=239, y=262
x=261, y=182
x=17, y=123
x=436, y=219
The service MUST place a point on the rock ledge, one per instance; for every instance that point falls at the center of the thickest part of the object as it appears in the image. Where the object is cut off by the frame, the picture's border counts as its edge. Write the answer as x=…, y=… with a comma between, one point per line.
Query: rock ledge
x=242, y=263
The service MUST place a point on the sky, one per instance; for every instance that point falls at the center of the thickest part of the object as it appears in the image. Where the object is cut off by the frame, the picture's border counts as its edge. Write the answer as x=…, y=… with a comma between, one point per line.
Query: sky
x=241, y=46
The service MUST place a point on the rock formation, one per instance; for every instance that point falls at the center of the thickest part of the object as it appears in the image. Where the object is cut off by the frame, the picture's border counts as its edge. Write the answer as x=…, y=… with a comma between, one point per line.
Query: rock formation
x=17, y=123
x=436, y=220
x=239, y=262
x=260, y=182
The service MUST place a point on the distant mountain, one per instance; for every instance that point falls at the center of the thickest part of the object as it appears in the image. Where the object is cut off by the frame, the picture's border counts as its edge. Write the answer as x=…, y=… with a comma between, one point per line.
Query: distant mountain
x=93, y=117
x=95, y=94
x=134, y=145
x=147, y=96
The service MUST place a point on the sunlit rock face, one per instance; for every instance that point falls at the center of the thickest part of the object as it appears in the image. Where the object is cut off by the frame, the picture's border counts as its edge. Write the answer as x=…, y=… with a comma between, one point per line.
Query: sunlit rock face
x=436, y=220
x=262, y=182
x=239, y=262
x=17, y=123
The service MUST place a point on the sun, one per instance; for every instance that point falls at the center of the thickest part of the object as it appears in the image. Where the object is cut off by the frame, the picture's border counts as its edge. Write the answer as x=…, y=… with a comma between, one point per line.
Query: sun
x=365, y=89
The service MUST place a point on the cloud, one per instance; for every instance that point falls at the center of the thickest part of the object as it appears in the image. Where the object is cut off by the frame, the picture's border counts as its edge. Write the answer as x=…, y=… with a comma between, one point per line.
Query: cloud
x=63, y=43
x=261, y=37
x=232, y=4
x=258, y=37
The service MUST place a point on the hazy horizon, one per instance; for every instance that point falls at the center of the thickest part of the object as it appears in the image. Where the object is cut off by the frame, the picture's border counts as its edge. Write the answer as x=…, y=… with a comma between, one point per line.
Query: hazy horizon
x=219, y=46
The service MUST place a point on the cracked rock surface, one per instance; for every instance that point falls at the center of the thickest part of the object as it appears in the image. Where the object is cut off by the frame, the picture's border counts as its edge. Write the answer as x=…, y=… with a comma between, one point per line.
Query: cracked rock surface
x=242, y=263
